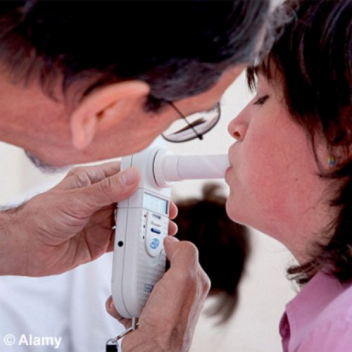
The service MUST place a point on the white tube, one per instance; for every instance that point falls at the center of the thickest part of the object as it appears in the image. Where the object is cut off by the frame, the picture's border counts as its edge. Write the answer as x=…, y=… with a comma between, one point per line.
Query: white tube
x=169, y=168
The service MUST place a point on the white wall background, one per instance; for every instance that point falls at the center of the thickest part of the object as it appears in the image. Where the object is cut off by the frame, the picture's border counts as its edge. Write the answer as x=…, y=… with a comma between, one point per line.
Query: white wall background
x=264, y=289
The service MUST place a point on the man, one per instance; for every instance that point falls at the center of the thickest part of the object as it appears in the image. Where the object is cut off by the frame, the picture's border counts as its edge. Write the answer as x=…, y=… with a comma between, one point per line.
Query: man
x=86, y=81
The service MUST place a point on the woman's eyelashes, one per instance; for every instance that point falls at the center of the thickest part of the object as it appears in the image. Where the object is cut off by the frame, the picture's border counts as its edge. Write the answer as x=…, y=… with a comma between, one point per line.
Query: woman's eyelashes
x=261, y=100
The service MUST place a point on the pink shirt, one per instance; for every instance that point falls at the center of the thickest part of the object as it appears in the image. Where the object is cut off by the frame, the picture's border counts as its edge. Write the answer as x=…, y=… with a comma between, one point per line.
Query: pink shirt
x=319, y=318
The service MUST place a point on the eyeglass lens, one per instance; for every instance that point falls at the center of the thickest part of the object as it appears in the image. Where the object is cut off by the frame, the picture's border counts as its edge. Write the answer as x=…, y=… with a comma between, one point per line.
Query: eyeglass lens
x=197, y=125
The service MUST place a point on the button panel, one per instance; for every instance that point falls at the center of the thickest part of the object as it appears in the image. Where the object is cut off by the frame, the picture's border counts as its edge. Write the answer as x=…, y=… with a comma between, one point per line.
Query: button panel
x=156, y=230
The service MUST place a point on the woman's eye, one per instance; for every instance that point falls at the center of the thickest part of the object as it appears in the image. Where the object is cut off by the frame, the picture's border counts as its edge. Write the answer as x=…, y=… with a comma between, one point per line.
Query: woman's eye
x=261, y=100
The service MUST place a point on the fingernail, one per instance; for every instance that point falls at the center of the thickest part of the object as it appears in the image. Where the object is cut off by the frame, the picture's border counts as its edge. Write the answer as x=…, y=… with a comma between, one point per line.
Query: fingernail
x=128, y=177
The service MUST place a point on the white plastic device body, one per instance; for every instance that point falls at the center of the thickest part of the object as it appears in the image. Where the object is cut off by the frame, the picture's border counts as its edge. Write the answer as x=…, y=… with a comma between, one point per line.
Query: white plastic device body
x=143, y=219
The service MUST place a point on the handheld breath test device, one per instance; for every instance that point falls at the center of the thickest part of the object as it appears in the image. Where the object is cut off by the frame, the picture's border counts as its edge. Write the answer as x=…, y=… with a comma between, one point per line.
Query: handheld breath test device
x=143, y=219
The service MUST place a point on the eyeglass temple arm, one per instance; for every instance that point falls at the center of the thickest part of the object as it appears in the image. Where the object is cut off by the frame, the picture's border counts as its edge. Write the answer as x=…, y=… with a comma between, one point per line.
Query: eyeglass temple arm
x=199, y=136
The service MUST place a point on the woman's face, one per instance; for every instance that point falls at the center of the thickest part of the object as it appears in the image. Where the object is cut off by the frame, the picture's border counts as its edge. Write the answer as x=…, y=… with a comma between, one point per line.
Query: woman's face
x=273, y=178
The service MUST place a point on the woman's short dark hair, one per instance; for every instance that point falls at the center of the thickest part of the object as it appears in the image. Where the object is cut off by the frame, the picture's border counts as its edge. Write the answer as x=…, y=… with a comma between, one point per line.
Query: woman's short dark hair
x=179, y=47
x=312, y=61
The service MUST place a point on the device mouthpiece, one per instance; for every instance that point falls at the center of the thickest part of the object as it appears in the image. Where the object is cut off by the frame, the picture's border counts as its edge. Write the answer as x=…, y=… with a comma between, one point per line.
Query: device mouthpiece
x=169, y=168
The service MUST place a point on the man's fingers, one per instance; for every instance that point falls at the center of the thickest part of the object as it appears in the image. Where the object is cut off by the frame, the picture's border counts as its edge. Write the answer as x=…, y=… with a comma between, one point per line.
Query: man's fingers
x=110, y=308
x=110, y=190
x=84, y=176
x=183, y=252
x=172, y=228
x=173, y=210
x=185, y=269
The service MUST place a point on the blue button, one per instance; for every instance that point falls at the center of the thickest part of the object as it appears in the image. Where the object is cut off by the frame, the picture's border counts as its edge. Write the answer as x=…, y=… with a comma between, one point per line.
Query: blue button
x=156, y=231
x=154, y=244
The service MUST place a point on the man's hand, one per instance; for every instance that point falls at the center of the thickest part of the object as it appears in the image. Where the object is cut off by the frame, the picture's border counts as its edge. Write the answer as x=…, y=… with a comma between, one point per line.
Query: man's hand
x=169, y=318
x=66, y=226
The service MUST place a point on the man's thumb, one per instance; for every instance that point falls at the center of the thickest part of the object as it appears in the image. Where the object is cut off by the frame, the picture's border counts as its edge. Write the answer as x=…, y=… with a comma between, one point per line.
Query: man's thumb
x=113, y=189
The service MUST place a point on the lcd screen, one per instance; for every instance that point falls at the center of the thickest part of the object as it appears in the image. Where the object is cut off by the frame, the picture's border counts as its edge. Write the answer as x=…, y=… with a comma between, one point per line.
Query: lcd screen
x=156, y=204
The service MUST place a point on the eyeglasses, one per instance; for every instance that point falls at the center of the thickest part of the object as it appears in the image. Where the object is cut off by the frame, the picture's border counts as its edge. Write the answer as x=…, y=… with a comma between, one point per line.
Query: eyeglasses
x=193, y=126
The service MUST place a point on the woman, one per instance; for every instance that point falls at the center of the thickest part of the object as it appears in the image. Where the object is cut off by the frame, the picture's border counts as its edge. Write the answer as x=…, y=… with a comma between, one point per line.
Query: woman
x=292, y=167
x=291, y=176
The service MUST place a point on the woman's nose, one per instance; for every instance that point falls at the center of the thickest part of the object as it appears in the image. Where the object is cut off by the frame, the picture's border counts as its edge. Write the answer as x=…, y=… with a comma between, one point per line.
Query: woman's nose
x=237, y=135
x=237, y=129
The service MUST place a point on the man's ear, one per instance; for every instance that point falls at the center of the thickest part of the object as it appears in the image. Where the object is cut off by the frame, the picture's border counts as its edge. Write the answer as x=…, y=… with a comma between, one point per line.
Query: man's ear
x=103, y=108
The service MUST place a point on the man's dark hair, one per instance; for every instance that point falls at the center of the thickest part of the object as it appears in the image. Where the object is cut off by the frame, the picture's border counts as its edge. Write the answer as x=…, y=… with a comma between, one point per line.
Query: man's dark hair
x=223, y=245
x=312, y=61
x=180, y=48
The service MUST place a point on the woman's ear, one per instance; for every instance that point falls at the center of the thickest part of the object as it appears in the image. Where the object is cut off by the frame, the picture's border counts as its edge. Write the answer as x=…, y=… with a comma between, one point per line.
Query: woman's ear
x=103, y=108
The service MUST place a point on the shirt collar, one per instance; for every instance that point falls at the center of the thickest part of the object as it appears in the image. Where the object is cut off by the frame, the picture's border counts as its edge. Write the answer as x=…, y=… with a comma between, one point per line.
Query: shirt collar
x=305, y=308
